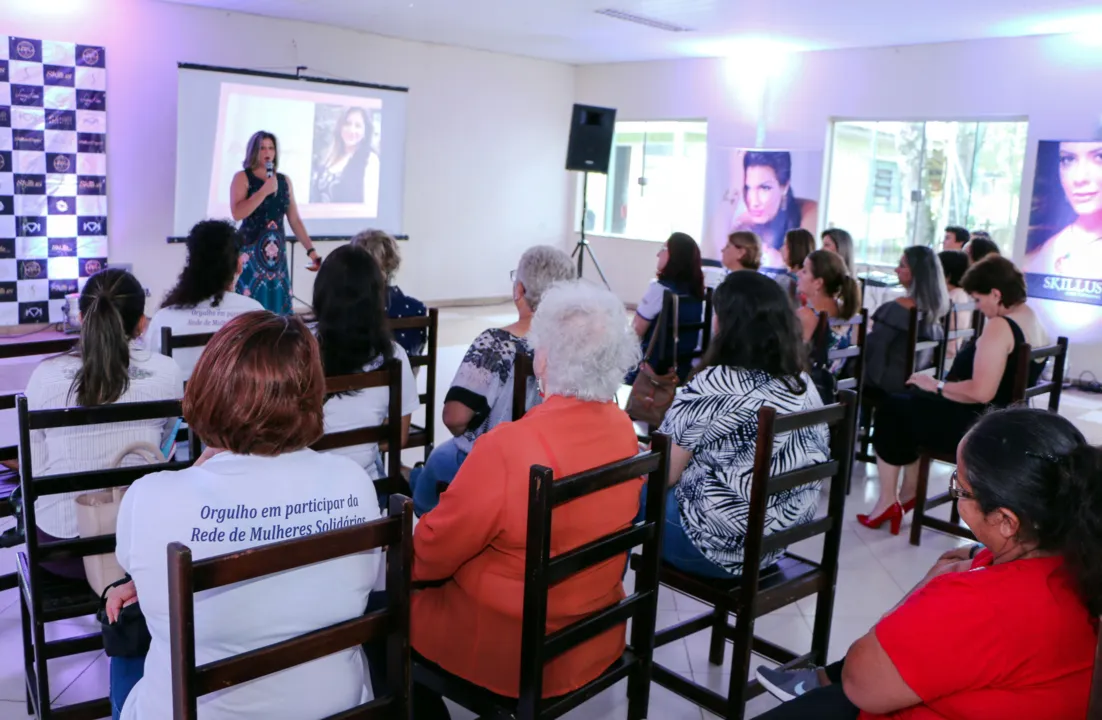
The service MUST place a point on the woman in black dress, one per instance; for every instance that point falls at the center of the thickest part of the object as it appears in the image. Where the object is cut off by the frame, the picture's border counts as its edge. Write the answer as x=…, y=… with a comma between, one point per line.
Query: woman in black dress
x=261, y=198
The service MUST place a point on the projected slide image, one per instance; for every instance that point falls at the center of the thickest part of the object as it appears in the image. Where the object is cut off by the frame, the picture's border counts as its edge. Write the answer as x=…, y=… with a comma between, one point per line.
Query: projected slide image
x=1064, y=245
x=328, y=146
x=346, y=154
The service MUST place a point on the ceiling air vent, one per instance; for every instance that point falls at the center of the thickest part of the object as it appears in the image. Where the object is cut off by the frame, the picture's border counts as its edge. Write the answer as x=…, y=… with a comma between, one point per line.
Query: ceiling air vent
x=640, y=20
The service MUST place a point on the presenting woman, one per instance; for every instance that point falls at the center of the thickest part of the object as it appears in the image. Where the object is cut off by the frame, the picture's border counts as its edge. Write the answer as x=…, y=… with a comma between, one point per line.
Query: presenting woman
x=260, y=198
x=349, y=170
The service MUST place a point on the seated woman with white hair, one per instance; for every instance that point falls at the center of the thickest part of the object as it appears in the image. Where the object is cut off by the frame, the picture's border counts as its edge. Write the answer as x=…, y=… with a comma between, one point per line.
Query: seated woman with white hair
x=474, y=541
x=481, y=395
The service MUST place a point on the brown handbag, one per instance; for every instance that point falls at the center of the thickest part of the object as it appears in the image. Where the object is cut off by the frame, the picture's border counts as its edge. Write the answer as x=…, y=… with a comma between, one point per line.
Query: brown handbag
x=651, y=393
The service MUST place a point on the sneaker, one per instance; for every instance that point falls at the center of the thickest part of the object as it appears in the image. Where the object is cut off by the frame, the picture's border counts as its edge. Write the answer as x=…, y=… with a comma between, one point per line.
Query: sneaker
x=788, y=684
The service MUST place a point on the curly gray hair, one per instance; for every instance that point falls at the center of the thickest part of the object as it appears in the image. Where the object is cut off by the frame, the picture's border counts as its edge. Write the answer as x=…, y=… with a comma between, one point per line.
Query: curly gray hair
x=584, y=332
x=539, y=268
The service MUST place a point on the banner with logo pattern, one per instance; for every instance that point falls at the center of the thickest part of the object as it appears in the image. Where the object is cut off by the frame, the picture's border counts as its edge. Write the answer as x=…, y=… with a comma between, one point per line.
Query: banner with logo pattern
x=53, y=174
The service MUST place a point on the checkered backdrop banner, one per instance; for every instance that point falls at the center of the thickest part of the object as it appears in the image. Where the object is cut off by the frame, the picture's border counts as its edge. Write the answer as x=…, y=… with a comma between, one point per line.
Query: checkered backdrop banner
x=53, y=174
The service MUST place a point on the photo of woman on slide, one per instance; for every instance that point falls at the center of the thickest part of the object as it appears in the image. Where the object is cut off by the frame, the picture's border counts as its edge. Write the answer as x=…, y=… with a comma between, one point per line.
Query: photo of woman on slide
x=346, y=168
x=1065, y=222
x=768, y=206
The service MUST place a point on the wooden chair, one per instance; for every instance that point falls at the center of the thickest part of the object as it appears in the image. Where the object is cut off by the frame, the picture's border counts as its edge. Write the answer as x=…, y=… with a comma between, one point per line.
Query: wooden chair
x=914, y=348
x=424, y=435
x=1026, y=356
x=542, y=572
x=389, y=432
x=9, y=479
x=704, y=327
x=853, y=373
x=45, y=599
x=760, y=591
x=186, y=578
x=170, y=342
x=1094, y=711
x=952, y=333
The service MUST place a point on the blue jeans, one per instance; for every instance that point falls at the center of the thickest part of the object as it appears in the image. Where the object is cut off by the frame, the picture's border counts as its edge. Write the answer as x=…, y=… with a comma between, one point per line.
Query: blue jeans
x=442, y=466
x=125, y=674
x=677, y=549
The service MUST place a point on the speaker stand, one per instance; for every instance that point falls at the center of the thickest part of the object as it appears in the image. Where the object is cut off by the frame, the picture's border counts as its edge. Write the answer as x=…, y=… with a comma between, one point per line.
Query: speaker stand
x=291, y=277
x=584, y=247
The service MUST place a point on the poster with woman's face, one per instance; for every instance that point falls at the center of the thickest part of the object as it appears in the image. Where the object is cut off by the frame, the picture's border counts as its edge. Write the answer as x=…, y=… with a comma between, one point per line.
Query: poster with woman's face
x=768, y=192
x=1063, y=259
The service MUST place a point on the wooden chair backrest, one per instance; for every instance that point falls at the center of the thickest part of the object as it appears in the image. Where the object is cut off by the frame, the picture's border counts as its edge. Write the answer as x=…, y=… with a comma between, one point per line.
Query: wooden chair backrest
x=855, y=377
x=840, y=419
x=187, y=577
x=915, y=346
x=543, y=572
x=523, y=373
x=1026, y=356
x=33, y=487
x=9, y=350
x=705, y=326
x=953, y=334
x=426, y=435
x=389, y=431
x=170, y=342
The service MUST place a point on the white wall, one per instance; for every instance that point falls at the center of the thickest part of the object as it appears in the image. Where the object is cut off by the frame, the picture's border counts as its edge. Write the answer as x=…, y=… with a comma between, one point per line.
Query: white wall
x=1053, y=81
x=485, y=148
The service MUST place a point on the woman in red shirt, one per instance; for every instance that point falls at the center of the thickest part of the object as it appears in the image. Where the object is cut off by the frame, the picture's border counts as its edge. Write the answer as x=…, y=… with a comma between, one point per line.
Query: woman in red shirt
x=1008, y=633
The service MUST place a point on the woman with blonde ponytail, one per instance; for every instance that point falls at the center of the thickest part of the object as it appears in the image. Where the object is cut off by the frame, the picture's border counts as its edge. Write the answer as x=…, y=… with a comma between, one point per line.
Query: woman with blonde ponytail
x=110, y=365
x=829, y=288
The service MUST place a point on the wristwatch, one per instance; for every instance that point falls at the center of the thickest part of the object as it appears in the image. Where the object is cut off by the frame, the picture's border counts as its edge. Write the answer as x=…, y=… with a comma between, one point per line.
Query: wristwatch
x=941, y=388
x=311, y=251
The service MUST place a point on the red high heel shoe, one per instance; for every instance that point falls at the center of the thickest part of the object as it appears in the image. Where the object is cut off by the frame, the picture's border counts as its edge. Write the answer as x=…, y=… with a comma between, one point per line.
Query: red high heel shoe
x=893, y=513
x=909, y=505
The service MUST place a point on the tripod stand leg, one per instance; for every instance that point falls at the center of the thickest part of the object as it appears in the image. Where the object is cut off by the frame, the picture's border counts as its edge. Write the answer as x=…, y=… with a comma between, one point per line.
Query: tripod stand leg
x=596, y=264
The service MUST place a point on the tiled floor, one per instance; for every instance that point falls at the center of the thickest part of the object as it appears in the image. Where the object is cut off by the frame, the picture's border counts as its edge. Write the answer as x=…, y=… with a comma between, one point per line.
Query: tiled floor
x=877, y=569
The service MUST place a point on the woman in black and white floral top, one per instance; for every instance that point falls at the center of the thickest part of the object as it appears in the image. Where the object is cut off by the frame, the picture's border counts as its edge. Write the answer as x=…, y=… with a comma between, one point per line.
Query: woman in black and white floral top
x=757, y=358
x=480, y=396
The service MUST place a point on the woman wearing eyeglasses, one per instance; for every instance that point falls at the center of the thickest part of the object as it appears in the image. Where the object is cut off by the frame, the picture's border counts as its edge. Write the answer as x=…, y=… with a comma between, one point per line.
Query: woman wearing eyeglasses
x=480, y=396
x=1007, y=630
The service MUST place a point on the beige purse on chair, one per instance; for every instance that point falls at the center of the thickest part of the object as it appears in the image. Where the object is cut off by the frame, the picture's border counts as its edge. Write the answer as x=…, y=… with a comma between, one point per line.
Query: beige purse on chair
x=98, y=514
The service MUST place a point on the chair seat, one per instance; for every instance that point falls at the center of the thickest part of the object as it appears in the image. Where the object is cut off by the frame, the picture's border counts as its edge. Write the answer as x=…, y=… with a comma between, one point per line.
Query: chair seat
x=417, y=437
x=479, y=700
x=62, y=598
x=9, y=481
x=786, y=571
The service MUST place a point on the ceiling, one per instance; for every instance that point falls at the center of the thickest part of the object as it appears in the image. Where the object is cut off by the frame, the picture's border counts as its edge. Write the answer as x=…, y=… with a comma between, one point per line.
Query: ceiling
x=570, y=31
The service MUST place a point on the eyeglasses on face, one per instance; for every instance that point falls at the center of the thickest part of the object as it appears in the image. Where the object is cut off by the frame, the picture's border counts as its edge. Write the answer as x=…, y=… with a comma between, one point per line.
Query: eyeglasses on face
x=956, y=491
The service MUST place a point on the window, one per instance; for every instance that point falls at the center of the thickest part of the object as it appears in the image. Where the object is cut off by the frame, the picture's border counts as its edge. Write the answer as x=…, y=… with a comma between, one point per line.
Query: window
x=896, y=184
x=655, y=182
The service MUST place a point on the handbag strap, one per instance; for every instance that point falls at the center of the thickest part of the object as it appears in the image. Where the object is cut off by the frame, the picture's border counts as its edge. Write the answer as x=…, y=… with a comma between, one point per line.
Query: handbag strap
x=147, y=451
x=660, y=324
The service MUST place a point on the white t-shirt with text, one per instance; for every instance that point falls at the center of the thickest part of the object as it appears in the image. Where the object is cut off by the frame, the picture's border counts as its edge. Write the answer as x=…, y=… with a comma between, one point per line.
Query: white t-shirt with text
x=368, y=408
x=203, y=318
x=232, y=503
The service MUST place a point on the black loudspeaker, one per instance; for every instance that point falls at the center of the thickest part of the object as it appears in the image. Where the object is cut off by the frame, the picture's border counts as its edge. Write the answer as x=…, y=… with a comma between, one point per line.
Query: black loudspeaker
x=591, y=130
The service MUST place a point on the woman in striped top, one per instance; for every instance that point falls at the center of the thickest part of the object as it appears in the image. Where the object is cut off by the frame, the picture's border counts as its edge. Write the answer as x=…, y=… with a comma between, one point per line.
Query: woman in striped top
x=109, y=366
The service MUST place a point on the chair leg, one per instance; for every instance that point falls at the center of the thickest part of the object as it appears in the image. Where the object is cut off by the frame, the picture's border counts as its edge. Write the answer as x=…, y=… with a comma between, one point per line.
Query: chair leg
x=740, y=666
x=639, y=692
x=921, y=491
x=28, y=649
x=719, y=636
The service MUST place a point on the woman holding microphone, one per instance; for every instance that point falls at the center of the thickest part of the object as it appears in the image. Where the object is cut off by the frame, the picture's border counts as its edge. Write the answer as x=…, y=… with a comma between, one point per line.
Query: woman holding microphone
x=260, y=198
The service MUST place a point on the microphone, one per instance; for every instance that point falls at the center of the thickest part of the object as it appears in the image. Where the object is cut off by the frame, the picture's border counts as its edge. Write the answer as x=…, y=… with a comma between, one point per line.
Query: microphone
x=270, y=167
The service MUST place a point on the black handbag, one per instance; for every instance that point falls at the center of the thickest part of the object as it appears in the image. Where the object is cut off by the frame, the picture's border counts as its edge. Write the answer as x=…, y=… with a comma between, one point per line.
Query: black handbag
x=128, y=636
